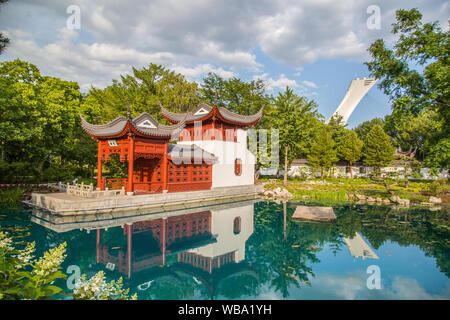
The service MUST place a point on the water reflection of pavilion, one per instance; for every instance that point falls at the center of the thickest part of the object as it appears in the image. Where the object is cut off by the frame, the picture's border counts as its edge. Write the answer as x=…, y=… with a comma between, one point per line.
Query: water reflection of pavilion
x=202, y=247
x=206, y=246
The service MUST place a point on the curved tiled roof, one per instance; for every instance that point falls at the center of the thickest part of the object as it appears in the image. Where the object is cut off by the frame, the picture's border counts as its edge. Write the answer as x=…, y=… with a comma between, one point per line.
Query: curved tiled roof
x=144, y=124
x=183, y=152
x=204, y=109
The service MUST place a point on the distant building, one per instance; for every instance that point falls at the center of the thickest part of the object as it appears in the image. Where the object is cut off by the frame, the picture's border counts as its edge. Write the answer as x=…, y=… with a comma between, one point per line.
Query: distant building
x=300, y=168
x=356, y=91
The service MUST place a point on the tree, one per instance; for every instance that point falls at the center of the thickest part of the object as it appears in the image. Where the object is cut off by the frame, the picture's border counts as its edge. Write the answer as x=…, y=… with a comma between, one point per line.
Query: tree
x=236, y=95
x=415, y=72
x=38, y=117
x=364, y=128
x=351, y=149
x=4, y=41
x=144, y=90
x=323, y=153
x=295, y=117
x=378, y=150
x=338, y=132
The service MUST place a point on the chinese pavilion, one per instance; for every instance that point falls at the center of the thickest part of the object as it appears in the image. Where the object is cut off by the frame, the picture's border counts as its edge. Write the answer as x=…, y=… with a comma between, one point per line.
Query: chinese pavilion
x=154, y=165
x=211, y=150
x=222, y=133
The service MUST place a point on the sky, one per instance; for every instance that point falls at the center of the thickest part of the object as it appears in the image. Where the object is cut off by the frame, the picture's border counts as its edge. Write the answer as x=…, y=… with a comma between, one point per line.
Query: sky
x=315, y=47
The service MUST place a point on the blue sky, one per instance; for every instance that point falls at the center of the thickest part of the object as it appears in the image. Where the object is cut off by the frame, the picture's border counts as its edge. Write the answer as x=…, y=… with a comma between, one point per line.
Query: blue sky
x=315, y=46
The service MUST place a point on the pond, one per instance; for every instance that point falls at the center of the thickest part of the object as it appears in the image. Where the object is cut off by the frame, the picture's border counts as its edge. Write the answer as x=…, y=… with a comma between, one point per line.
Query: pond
x=255, y=250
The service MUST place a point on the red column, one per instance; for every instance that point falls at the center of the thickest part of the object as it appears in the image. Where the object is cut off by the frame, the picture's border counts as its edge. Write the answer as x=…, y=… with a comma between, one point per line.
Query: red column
x=99, y=167
x=130, y=162
x=164, y=168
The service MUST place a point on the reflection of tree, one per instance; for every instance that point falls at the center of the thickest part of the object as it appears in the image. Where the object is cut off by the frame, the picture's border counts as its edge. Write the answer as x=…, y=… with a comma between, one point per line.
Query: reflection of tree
x=279, y=257
x=416, y=226
x=283, y=251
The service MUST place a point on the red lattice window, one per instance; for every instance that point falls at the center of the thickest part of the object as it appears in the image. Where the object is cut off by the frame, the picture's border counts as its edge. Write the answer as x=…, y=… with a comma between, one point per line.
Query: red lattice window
x=238, y=167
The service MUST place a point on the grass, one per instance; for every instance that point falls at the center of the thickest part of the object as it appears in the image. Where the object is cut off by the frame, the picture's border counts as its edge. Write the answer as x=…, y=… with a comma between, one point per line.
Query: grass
x=344, y=189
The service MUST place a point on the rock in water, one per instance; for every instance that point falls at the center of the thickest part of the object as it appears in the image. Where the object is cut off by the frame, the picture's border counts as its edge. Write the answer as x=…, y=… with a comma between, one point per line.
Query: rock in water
x=325, y=214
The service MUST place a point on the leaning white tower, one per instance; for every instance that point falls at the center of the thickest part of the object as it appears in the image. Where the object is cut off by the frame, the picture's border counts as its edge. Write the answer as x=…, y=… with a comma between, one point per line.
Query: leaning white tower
x=356, y=91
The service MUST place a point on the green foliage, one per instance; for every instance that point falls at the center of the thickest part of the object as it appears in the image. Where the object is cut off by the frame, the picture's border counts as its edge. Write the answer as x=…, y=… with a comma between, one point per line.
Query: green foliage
x=323, y=153
x=351, y=147
x=23, y=276
x=236, y=95
x=364, y=128
x=415, y=74
x=38, y=122
x=338, y=133
x=97, y=288
x=11, y=195
x=296, y=118
x=145, y=90
x=378, y=150
x=437, y=187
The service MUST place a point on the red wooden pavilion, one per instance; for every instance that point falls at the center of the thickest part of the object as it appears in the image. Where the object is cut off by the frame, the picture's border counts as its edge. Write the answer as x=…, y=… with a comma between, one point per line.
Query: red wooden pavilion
x=154, y=165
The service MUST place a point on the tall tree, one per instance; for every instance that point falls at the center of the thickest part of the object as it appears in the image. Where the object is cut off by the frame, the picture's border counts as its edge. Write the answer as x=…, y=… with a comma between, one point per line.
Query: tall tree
x=351, y=149
x=236, y=95
x=323, y=152
x=378, y=150
x=364, y=128
x=38, y=116
x=415, y=72
x=295, y=117
x=338, y=132
x=145, y=89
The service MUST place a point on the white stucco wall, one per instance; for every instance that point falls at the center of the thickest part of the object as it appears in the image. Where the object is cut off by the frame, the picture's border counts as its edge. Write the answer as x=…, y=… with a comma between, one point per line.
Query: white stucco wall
x=226, y=152
x=227, y=241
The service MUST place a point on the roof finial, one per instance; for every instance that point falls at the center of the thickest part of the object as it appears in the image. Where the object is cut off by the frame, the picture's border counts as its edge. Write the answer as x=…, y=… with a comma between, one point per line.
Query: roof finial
x=128, y=110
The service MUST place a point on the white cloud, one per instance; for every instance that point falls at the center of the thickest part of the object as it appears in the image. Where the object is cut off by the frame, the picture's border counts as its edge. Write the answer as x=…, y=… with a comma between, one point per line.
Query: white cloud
x=195, y=36
x=309, y=84
x=196, y=72
x=281, y=83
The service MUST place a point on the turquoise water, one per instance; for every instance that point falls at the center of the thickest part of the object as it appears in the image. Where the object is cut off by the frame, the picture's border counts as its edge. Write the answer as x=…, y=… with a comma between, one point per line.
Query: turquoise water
x=255, y=251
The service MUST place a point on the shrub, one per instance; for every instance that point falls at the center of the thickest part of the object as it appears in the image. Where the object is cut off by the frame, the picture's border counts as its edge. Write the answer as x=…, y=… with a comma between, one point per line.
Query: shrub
x=437, y=187
x=11, y=195
x=22, y=276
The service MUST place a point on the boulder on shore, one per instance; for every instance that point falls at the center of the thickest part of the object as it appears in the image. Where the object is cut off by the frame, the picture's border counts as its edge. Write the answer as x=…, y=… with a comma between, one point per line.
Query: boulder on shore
x=435, y=200
x=360, y=197
x=278, y=193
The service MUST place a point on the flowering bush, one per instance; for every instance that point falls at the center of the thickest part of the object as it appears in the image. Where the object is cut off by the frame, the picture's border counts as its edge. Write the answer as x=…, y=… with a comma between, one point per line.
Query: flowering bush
x=22, y=276
x=97, y=289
